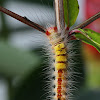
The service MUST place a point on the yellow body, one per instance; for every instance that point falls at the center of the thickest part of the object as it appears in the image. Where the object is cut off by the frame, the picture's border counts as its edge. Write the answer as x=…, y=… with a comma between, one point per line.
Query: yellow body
x=60, y=66
x=59, y=47
x=60, y=52
x=60, y=60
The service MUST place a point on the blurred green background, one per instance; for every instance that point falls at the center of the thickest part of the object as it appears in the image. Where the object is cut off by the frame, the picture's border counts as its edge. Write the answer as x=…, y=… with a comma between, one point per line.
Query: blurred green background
x=22, y=58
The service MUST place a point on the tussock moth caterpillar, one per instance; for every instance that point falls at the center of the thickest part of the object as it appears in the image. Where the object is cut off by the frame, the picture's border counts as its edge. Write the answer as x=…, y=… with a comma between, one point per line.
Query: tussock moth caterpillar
x=60, y=57
x=61, y=71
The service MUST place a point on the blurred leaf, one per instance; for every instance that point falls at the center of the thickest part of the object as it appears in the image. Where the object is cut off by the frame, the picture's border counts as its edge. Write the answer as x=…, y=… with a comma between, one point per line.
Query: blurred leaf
x=90, y=37
x=15, y=62
x=90, y=95
x=31, y=88
x=71, y=10
x=93, y=76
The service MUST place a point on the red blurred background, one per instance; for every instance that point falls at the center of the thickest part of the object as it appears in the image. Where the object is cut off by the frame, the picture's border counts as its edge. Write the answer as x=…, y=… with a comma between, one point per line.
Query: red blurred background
x=91, y=55
x=92, y=7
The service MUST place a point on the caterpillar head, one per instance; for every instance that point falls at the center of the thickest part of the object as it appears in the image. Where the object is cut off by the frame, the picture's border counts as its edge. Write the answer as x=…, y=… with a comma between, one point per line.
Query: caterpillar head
x=51, y=30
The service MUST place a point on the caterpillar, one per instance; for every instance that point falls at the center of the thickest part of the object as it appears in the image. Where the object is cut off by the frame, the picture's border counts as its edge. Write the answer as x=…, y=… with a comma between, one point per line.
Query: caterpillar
x=62, y=72
x=60, y=55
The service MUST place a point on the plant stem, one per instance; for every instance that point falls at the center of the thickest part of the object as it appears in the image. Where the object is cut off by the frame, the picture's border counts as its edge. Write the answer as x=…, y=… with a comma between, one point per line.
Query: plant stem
x=23, y=19
x=59, y=18
x=88, y=21
x=59, y=12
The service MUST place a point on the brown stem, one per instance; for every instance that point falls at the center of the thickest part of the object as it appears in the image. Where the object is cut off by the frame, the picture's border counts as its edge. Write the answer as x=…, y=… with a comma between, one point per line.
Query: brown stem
x=23, y=19
x=59, y=10
x=88, y=21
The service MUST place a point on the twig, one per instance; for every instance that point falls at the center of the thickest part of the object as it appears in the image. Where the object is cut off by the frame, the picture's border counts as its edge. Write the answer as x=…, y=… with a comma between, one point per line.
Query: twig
x=88, y=21
x=23, y=19
x=59, y=10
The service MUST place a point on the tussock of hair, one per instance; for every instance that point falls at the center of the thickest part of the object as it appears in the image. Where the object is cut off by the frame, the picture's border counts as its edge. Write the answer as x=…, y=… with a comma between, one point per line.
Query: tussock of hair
x=48, y=72
x=73, y=71
x=74, y=74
